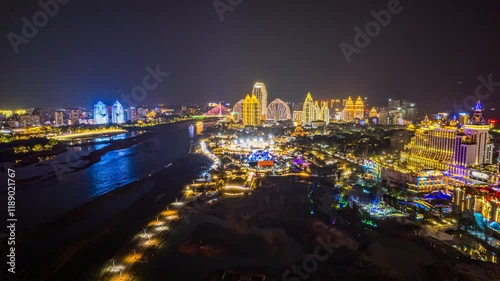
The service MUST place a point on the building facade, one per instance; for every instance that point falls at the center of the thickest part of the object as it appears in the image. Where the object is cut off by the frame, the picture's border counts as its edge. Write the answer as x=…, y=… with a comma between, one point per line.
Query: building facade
x=260, y=91
x=251, y=111
x=100, y=113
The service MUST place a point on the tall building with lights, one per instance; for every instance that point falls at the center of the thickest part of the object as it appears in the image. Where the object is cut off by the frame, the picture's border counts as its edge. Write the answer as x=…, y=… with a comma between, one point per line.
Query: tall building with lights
x=251, y=111
x=59, y=118
x=325, y=112
x=100, y=113
x=451, y=146
x=117, y=113
x=259, y=90
x=359, y=109
x=308, y=112
x=348, y=112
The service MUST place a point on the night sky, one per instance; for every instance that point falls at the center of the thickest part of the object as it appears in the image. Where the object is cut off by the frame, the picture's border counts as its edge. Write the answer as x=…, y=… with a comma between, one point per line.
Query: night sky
x=92, y=49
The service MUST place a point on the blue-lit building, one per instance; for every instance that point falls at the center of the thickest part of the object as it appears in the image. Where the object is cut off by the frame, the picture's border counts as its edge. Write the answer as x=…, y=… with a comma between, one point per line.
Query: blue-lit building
x=117, y=113
x=100, y=113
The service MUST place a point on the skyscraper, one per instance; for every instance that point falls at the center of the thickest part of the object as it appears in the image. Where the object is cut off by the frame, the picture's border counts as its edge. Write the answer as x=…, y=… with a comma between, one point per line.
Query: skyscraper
x=251, y=110
x=359, y=108
x=308, y=110
x=259, y=90
x=100, y=113
x=348, y=113
x=325, y=112
x=117, y=113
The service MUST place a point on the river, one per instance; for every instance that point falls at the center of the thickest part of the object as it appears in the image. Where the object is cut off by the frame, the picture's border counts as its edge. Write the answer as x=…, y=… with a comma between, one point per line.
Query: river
x=39, y=202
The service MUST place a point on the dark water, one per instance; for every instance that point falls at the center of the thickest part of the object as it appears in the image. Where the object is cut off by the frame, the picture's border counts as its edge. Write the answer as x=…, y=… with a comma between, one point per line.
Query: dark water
x=37, y=203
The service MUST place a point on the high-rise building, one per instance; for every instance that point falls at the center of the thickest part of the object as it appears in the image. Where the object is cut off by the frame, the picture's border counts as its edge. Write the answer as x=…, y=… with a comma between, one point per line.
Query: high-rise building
x=251, y=110
x=359, y=108
x=259, y=90
x=447, y=146
x=348, y=112
x=308, y=112
x=373, y=112
x=59, y=118
x=325, y=112
x=117, y=113
x=100, y=113
x=74, y=116
x=28, y=120
x=393, y=104
x=317, y=111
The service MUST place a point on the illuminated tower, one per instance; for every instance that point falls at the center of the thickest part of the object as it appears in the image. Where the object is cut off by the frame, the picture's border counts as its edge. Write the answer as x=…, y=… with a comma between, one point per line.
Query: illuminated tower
x=100, y=113
x=325, y=112
x=359, y=108
x=308, y=114
x=117, y=113
x=251, y=111
x=349, y=110
x=373, y=113
x=317, y=112
x=259, y=90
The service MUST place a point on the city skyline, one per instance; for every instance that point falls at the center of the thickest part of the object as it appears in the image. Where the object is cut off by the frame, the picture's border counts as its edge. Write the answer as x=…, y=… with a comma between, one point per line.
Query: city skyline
x=441, y=76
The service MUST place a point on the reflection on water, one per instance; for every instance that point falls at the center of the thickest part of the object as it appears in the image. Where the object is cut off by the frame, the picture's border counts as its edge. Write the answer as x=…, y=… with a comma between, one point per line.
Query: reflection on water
x=474, y=249
x=115, y=169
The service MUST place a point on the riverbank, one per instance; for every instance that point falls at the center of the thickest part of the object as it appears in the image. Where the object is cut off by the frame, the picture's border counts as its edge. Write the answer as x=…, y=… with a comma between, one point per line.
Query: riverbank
x=57, y=249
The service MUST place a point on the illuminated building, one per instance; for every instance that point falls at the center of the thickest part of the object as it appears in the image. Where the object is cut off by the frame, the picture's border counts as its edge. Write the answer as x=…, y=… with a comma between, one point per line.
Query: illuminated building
x=117, y=113
x=218, y=110
x=100, y=113
x=348, y=113
x=278, y=110
x=463, y=118
x=74, y=116
x=308, y=112
x=447, y=146
x=199, y=127
x=373, y=113
x=238, y=109
x=317, y=111
x=382, y=117
x=59, y=118
x=259, y=90
x=251, y=111
x=394, y=104
x=325, y=112
x=428, y=181
x=28, y=120
x=297, y=116
x=482, y=200
x=359, y=109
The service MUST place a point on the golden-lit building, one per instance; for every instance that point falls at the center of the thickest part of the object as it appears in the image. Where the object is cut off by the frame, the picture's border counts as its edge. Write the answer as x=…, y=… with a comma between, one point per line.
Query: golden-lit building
x=359, y=108
x=373, y=113
x=348, y=113
x=484, y=201
x=251, y=111
x=260, y=91
x=314, y=111
x=451, y=147
x=308, y=112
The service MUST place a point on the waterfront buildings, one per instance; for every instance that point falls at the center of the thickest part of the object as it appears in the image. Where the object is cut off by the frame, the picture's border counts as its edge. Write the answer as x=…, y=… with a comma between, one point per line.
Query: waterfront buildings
x=117, y=113
x=260, y=91
x=314, y=111
x=251, y=111
x=100, y=113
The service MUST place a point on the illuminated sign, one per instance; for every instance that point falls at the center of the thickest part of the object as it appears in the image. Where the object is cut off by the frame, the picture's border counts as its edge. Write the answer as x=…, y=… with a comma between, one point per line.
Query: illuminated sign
x=480, y=175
